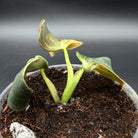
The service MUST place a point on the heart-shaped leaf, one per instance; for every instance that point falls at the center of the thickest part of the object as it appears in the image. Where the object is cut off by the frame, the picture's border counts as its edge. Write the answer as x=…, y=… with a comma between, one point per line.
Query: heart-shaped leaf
x=100, y=64
x=51, y=44
x=20, y=93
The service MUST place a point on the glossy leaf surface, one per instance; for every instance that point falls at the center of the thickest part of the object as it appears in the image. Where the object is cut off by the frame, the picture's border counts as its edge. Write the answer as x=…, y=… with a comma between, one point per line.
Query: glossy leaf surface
x=20, y=93
x=100, y=64
x=51, y=44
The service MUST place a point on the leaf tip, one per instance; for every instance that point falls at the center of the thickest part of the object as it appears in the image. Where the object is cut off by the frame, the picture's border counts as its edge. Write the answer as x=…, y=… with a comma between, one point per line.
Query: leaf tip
x=71, y=44
x=52, y=54
x=122, y=85
x=42, y=22
x=80, y=42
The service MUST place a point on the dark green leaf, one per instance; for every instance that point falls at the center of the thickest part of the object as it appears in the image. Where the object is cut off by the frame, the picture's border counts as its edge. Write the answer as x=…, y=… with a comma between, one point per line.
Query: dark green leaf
x=20, y=93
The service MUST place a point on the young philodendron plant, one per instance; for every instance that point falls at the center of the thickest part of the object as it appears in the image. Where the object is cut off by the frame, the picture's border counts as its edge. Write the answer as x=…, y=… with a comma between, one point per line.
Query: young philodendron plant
x=20, y=93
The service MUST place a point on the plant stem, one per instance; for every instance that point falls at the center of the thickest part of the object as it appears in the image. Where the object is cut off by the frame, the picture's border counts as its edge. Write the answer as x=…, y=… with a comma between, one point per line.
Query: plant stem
x=50, y=86
x=72, y=80
x=69, y=67
x=72, y=85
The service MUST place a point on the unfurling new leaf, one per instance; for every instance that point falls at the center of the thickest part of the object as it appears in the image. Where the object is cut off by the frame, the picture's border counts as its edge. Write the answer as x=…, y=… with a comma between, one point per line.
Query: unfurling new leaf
x=20, y=93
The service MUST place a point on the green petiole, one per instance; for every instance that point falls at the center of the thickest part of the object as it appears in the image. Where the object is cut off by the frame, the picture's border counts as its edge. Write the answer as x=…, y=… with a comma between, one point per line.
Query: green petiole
x=72, y=79
x=69, y=66
x=71, y=86
x=50, y=86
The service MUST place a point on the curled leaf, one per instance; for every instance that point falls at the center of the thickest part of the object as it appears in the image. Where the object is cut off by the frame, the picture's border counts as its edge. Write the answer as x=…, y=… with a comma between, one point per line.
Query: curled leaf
x=46, y=40
x=20, y=93
x=100, y=64
x=109, y=74
x=51, y=44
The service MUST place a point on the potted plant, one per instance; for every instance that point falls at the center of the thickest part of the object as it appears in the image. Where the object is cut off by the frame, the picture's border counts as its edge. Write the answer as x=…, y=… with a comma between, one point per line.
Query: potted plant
x=87, y=100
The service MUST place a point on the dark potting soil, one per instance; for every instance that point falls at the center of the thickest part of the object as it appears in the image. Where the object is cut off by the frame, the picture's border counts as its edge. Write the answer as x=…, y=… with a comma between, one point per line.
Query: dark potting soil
x=97, y=107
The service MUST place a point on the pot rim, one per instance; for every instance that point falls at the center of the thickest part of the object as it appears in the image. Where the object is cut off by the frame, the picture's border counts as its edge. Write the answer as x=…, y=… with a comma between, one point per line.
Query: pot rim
x=126, y=88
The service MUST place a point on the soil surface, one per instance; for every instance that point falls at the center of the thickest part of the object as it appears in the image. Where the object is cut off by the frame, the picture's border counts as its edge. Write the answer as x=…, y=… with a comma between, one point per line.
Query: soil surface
x=97, y=108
